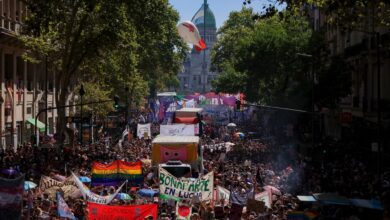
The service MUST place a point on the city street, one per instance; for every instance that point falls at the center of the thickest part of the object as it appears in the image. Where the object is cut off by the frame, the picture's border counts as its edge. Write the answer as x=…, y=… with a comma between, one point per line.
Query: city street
x=195, y=110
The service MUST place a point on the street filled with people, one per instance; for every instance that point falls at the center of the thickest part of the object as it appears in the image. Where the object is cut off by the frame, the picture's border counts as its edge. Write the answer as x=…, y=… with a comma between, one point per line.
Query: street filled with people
x=260, y=178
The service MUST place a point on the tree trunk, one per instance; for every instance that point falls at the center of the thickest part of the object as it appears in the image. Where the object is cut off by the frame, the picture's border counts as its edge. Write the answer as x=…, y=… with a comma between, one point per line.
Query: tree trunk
x=61, y=114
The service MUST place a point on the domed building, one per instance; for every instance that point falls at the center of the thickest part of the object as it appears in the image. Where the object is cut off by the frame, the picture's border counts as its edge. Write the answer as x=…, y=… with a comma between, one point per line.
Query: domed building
x=196, y=75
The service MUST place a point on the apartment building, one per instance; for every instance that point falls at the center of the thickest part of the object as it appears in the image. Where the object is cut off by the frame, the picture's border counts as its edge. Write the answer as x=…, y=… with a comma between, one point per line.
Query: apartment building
x=362, y=47
x=26, y=88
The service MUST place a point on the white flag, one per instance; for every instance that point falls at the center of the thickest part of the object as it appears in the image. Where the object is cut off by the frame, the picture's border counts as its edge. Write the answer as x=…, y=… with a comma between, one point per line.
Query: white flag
x=92, y=197
x=143, y=131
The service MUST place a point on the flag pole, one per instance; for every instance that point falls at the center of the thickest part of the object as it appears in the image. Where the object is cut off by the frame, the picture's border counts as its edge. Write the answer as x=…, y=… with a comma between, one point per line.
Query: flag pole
x=204, y=52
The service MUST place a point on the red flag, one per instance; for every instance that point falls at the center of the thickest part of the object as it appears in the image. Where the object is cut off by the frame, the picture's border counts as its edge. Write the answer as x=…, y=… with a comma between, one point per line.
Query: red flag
x=201, y=46
x=134, y=212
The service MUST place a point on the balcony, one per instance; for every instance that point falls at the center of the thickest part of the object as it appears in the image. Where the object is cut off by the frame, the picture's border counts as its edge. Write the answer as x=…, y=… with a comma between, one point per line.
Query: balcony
x=9, y=29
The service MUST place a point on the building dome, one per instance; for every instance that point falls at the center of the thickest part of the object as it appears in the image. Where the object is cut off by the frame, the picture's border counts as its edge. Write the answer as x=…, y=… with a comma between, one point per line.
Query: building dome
x=198, y=18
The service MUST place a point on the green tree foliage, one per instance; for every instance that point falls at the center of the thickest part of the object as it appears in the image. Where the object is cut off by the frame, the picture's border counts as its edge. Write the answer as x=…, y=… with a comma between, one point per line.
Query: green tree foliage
x=115, y=44
x=95, y=92
x=350, y=14
x=260, y=61
x=260, y=58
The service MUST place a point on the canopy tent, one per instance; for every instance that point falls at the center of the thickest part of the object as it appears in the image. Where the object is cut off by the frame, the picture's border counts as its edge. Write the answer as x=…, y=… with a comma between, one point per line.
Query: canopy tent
x=40, y=125
x=369, y=204
x=335, y=199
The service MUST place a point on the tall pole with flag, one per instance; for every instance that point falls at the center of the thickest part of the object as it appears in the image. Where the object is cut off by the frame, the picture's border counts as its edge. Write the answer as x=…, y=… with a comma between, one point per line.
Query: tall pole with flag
x=204, y=66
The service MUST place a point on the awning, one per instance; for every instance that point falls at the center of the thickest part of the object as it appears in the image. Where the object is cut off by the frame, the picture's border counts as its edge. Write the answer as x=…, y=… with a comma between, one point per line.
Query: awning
x=306, y=198
x=39, y=125
x=369, y=204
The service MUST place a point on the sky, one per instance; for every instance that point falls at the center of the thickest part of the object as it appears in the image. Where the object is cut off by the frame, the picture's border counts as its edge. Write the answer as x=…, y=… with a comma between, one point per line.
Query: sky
x=221, y=8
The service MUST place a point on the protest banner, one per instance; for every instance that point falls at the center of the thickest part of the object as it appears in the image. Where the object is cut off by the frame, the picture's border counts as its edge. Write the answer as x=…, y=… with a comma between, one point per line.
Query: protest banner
x=92, y=197
x=63, y=208
x=11, y=198
x=185, y=188
x=143, y=130
x=51, y=186
x=134, y=212
x=265, y=197
x=177, y=130
x=222, y=195
x=218, y=146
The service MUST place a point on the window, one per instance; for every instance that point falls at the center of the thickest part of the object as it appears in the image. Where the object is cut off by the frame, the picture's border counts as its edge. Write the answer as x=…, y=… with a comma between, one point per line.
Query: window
x=29, y=110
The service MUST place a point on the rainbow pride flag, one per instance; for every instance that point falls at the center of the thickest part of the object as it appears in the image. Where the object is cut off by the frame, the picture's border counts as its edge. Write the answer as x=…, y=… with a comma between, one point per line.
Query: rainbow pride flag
x=300, y=215
x=115, y=173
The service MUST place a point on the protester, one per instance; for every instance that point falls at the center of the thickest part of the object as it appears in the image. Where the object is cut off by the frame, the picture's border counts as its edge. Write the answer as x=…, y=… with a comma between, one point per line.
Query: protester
x=245, y=169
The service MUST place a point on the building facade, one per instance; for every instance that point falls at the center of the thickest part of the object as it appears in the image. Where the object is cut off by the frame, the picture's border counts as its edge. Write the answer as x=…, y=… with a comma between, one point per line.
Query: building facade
x=366, y=50
x=196, y=75
x=26, y=88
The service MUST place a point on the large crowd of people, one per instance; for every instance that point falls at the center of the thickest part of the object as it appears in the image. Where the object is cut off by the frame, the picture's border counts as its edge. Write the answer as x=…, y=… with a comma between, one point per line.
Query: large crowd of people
x=245, y=168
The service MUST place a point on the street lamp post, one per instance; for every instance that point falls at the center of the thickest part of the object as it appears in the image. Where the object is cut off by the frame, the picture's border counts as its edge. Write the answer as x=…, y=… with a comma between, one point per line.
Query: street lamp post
x=312, y=78
x=127, y=105
x=1, y=129
x=81, y=93
x=46, y=95
x=204, y=67
x=379, y=110
x=65, y=106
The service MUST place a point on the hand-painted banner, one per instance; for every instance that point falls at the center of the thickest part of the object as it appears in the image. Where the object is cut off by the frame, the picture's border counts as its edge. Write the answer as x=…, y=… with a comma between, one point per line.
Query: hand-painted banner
x=134, y=212
x=51, y=186
x=177, y=130
x=212, y=98
x=222, y=195
x=143, y=131
x=11, y=198
x=185, y=188
x=116, y=172
x=215, y=146
x=92, y=197
x=265, y=197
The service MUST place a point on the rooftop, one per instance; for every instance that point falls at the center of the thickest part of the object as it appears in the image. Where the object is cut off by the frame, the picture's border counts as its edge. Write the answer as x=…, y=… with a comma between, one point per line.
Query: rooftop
x=176, y=139
x=198, y=18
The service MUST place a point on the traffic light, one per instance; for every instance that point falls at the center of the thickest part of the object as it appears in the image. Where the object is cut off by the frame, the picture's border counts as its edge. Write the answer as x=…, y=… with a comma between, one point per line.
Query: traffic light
x=116, y=102
x=238, y=105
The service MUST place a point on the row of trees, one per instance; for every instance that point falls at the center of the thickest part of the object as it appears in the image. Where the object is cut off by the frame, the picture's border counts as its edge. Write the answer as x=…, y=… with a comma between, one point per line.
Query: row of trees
x=121, y=47
x=348, y=14
x=260, y=57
